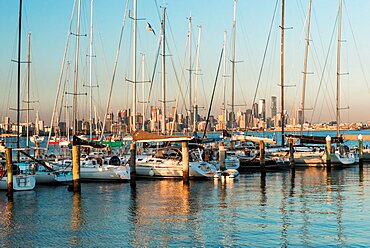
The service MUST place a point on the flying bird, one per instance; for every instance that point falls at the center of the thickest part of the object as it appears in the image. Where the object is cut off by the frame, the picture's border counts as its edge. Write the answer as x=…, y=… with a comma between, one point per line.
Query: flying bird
x=149, y=27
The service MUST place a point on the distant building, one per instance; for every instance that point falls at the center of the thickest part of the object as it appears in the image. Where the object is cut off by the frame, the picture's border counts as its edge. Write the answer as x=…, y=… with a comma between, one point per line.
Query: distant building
x=300, y=116
x=262, y=109
x=255, y=110
x=273, y=106
x=249, y=118
x=7, y=126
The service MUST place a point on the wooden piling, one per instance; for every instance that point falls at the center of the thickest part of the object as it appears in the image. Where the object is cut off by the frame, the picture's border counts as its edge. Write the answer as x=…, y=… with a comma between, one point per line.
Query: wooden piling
x=232, y=145
x=262, y=156
x=133, y=162
x=37, y=151
x=291, y=153
x=328, y=152
x=222, y=156
x=9, y=169
x=185, y=161
x=360, y=151
x=76, y=168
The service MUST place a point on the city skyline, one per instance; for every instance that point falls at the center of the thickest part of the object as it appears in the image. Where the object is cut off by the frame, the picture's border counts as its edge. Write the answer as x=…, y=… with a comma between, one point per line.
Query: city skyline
x=253, y=23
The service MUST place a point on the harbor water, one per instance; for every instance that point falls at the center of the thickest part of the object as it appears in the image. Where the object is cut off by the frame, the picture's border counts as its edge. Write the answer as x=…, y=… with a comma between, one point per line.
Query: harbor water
x=306, y=207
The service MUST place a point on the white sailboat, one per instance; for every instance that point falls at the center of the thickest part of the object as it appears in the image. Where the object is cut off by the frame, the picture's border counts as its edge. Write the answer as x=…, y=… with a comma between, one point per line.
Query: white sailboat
x=22, y=181
x=36, y=137
x=91, y=170
x=166, y=163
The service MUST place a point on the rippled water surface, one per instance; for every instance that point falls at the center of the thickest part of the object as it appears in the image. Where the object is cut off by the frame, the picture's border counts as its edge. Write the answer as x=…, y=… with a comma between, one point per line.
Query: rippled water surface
x=311, y=207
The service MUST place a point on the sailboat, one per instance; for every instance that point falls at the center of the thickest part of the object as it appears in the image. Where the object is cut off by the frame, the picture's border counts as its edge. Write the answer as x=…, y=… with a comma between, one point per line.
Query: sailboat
x=22, y=180
x=36, y=137
x=313, y=156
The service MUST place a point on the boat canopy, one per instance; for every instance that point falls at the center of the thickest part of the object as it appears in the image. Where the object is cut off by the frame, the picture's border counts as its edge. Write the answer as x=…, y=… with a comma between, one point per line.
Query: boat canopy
x=242, y=137
x=143, y=136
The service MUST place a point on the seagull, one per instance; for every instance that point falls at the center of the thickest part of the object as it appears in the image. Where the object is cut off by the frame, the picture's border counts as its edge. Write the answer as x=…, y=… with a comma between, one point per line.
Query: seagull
x=149, y=27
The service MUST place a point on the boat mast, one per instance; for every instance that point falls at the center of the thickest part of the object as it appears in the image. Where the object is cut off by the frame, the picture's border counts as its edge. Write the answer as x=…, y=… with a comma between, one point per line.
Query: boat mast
x=305, y=64
x=91, y=56
x=233, y=70
x=76, y=70
x=190, y=69
x=163, y=71
x=19, y=73
x=338, y=65
x=134, y=70
x=224, y=76
x=196, y=82
x=282, y=71
x=28, y=87
x=143, y=87
x=36, y=124
x=54, y=114
x=66, y=103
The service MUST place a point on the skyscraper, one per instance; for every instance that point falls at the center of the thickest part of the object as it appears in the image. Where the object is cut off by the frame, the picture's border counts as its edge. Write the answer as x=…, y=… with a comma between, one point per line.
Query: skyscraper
x=273, y=106
x=262, y=109
x=255, y=109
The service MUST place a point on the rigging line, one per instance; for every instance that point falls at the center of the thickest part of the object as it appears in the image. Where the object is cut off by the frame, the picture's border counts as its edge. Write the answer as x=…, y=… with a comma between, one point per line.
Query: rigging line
x=158, y=12
x=325, y=91
x=241, y=88
x=156, y=57
x=323, y=72
x=115, y=68
x=213, y=93
x=61, y=73
x=168, y=23
x=180, y=89
x=182, y=73
x=154, y=70
x=264, y=55
x=356, y=46
x=104, y=59
x=176, y=76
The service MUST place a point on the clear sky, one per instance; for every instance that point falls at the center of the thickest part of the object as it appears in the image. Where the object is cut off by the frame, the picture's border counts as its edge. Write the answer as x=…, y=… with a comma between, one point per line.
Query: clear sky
x=48, y=23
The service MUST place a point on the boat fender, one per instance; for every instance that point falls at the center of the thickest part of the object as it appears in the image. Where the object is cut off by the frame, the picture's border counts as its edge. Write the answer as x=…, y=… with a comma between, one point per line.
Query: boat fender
x=151, y=173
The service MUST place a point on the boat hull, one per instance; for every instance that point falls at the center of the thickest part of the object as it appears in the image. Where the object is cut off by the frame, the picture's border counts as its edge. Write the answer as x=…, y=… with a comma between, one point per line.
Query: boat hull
x=20, y=183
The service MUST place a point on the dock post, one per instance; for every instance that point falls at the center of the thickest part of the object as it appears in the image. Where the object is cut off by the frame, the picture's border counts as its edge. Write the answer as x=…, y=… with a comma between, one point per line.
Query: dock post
x=76, y=168
x=262, y=156
x=133, y=163
x=9, y=169
x=360, y=151
x=185, y=161
x=232, y=144
x=328, y=152
x=222, y=156
x=37, y=151
x=291, y=153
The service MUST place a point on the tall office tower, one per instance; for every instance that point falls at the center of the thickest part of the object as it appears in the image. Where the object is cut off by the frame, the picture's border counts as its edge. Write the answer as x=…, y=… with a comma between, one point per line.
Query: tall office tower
x=255, y=109
x=262, y=109
x=249, y=118
x=300, y=116
x=273, y=106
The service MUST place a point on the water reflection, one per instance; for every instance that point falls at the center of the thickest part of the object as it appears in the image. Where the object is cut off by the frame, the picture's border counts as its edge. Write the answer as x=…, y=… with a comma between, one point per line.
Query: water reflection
x=292, y=183
x=306, y=207
x=165, y=201
x=284, y=212
x=361, y=176
x=7, y=222
x=263, y=199
x=76, y=219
